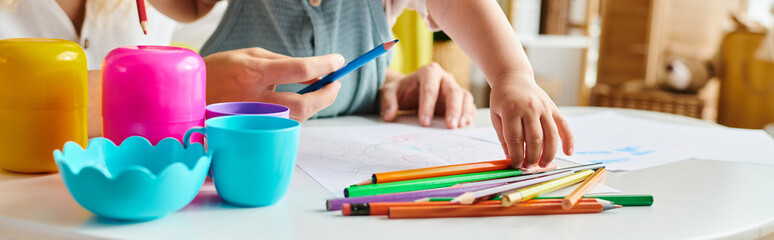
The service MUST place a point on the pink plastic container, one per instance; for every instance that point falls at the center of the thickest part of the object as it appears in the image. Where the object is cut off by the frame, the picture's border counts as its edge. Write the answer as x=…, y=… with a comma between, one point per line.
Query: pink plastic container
x=152, y=91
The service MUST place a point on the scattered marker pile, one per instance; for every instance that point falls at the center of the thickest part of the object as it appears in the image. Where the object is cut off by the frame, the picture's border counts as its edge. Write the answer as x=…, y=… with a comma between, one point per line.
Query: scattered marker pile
x=479, y=190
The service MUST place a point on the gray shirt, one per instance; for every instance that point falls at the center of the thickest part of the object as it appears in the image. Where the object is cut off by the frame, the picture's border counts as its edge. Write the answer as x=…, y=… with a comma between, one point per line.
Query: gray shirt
x=295, y=28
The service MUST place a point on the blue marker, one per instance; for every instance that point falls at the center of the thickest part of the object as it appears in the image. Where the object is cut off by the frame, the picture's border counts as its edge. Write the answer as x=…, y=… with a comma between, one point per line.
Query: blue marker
x=351, y=66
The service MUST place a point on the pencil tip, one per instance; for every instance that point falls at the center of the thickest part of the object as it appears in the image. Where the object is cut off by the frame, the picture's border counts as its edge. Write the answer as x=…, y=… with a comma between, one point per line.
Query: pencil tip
x=144, y=26
x=422, y=200
x=465, y=198
x=389, y=45
x=599, y=200
x=396, y=40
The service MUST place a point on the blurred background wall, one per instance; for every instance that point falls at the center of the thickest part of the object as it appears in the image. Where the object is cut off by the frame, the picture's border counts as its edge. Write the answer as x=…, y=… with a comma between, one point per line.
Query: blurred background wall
x=708, y=59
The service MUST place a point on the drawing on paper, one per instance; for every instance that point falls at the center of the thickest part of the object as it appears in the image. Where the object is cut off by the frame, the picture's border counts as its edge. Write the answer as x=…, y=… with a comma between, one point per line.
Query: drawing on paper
x=346, y=155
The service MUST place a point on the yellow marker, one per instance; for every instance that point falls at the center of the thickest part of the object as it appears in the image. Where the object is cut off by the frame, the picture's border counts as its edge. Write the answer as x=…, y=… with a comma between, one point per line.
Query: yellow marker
x=526, y=194
x=43, y=98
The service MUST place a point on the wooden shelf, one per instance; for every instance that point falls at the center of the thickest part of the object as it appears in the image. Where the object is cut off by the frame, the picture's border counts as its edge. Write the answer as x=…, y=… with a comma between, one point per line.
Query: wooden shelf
x=556, y=41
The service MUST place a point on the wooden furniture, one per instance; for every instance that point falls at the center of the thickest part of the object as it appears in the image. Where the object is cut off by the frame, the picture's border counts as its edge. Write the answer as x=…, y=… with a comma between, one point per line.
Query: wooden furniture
x=451, y=57
x=747, y=93
x=623, y=41
x=635, y=95
x=562, y=59
x=637, y=38
x=637, y=34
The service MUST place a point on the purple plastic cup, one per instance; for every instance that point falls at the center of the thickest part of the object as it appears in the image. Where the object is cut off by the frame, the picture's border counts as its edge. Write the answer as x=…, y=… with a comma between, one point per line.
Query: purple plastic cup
x=246, y=108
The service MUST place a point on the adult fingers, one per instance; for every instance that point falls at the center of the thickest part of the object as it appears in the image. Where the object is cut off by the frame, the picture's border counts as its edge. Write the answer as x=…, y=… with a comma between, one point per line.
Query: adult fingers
x=293, y=101
x=389, y=102
x=513, y=133
x=302, y=107
x=322, y=98
x=294, y=70
x=533, y=136
x=308, y=82
x=257, y=52
x=428, y=95
x=454, y=99
x=568, y=141
x=550, y=140
x=468, y=109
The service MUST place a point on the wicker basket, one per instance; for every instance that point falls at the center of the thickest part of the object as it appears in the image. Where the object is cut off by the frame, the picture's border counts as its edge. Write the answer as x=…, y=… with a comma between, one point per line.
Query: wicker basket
x=635, y=96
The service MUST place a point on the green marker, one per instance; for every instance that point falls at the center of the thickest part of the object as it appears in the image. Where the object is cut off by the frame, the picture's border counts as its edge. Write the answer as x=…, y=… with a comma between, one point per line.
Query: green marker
x=623, y=200
x=426, y=183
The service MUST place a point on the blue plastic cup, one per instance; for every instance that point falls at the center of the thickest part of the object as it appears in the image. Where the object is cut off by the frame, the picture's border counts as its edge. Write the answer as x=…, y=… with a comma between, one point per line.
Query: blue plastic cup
x=253, y=157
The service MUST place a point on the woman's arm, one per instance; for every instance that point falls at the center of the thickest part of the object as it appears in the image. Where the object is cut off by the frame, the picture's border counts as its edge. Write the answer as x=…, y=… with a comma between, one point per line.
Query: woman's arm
x=184, y=10
x=527, y=122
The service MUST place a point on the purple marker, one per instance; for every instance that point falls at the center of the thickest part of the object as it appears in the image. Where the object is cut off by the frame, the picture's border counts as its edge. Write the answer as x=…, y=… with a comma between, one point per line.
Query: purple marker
x=336, y=204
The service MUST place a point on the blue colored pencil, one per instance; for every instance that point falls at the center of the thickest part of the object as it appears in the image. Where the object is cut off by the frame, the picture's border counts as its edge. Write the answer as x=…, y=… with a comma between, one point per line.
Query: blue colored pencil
x=351, y=66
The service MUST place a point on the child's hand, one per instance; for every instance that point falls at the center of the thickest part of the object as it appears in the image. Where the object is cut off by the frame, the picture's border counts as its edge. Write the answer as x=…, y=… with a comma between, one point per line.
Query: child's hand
x=251, y=75
x=522, y=113
x=431, y=90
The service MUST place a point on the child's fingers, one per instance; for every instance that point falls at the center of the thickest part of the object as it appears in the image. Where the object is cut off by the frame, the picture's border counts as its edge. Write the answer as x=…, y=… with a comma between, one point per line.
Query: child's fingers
x=428, y=96
x=550, y=140
x=568, y=141
x=389, y=102
x=294, y=70
x=514, y=135
x=454, y=97
x=533, y=135
x=497, y=123
x=468, y=110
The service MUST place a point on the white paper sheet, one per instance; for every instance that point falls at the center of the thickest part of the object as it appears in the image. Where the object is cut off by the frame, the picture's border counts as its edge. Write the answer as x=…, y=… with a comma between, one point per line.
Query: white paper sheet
x=732, y=144
x=629, y=143
x=625, y=143
x=340, y=156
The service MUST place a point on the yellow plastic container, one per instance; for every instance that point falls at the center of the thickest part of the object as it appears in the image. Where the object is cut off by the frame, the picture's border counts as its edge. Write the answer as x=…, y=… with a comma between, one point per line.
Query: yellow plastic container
x=43, y=99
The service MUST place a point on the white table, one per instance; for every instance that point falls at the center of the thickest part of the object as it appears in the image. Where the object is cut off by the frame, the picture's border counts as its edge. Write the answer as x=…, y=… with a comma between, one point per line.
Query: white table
x=693, y=199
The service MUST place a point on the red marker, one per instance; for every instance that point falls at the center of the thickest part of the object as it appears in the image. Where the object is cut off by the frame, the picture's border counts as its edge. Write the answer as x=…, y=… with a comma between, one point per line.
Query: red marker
x=143, y=16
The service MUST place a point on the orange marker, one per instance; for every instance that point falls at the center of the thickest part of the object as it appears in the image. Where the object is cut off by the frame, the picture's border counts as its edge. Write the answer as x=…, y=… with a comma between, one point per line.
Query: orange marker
x=487, y=210
x=440, y=171
x=382, y=208
x=570, y=200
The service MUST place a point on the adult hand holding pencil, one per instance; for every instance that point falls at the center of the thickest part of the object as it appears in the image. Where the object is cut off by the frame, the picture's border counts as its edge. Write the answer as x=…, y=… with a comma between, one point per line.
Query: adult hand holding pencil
x=351, y=66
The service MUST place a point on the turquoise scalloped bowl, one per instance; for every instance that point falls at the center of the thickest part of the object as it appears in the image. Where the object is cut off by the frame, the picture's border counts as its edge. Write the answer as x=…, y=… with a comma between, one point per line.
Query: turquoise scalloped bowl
x=135, y=180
